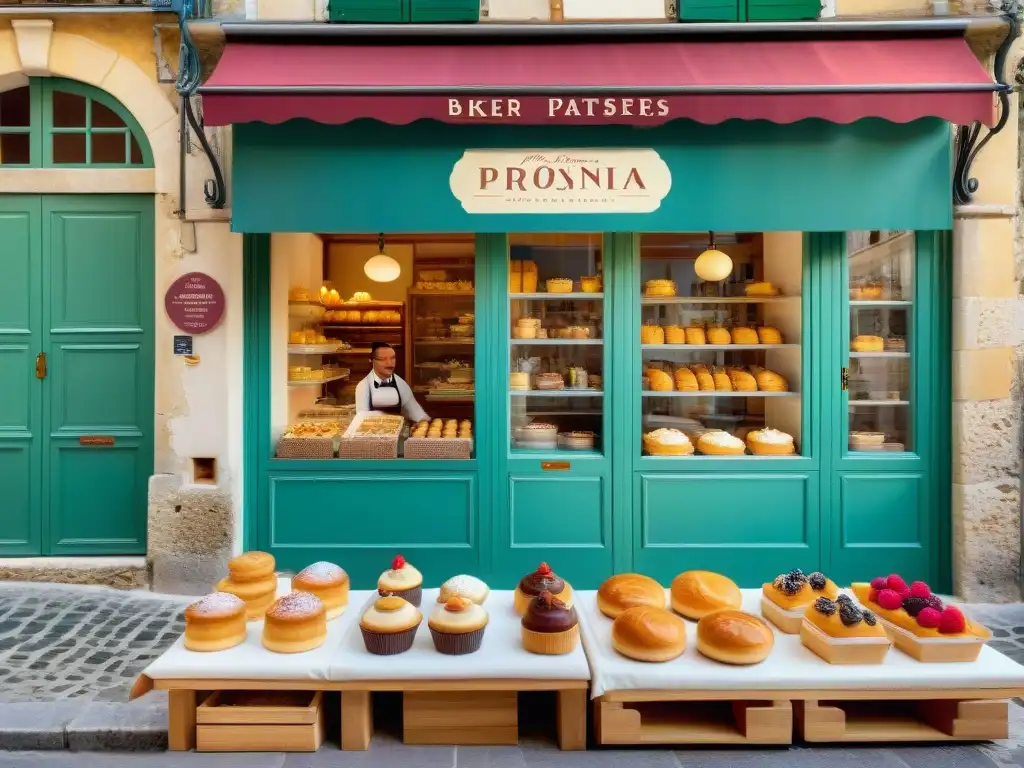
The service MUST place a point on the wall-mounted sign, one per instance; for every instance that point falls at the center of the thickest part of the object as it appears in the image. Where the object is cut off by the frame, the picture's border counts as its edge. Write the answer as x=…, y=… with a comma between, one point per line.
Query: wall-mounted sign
x=560, y=181
x=182, y=345
x=538, y=110
x=195, y=303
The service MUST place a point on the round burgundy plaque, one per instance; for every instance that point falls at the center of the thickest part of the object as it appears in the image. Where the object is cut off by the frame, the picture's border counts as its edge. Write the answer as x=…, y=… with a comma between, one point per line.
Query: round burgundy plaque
x=195, y=303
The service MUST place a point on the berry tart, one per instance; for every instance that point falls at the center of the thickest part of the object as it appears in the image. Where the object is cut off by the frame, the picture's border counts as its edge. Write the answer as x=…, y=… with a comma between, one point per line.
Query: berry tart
x=840, y=632
x=784, y=602
x=918, y=623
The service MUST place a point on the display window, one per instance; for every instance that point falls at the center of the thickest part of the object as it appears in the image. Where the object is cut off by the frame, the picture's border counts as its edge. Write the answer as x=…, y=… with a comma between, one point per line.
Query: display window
x=880, y=272
x=721, y=341
x=374, y=348
x=556, y=350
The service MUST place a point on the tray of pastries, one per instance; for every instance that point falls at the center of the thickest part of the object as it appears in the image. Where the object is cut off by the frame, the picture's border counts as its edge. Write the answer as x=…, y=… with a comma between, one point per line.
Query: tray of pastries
x=371, y=437
x=440, y=439
x=310, y=440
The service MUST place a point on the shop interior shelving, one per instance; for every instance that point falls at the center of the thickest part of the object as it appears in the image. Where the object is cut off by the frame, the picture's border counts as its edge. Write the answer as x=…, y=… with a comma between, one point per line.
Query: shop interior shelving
x=437, y=310
x=309, y=313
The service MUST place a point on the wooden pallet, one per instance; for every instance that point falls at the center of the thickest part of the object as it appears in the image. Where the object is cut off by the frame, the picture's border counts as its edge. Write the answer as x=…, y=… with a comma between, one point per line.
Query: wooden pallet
x=903, y=720
x=485, y=710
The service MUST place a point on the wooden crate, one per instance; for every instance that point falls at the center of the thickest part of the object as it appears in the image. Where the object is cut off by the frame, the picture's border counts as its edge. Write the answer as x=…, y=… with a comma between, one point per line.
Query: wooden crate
x=460, y=717
x=887, y=720
x=260, y=721
x=663, y=720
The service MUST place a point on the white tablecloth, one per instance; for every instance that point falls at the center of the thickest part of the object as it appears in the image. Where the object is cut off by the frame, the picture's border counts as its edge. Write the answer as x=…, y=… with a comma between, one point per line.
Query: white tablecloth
x=251, y=661
x=790, y=665
x=501, y=656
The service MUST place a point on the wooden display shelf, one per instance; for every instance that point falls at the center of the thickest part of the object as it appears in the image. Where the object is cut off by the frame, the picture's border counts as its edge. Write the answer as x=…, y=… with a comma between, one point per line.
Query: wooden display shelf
x=226, y=722
x=903, y=720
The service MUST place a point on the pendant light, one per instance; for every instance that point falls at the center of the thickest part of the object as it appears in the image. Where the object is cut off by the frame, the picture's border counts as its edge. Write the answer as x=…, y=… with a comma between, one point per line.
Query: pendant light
x=713, y=265
x=382, y=268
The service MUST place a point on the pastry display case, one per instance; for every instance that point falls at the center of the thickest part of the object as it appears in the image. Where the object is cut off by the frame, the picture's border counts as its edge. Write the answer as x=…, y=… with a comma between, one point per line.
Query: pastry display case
x=556, y=345
x=721, y=357
x=878, y=375
x=442, y=330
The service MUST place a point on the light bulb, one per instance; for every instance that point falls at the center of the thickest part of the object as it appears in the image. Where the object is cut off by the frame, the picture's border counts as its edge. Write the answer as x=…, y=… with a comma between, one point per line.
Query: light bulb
x=382, y=268
x=713, y=265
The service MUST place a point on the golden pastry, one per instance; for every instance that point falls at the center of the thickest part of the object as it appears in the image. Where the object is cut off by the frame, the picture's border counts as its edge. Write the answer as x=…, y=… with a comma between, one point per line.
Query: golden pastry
x=674, y=335
x=695, y=335
x=718, y=336
x=770, y=442
x=722, y=381
x=328, y=582
x=768, y=335
x=761, y=289
x=652, y=334
x=295, y=624
x=827, y=621
x=215, y=623
x=784, y=599
x=742, y=381
x=743, y=335
x=659, y=288
x=866, y=292
x=705, y=381
x=590, y=284
x=660, y=381
x=770, y=381
x=559, y=285
x=696, y=594
x=868, y=344
x=667, y=442
x=719, y=443
x=686, y=380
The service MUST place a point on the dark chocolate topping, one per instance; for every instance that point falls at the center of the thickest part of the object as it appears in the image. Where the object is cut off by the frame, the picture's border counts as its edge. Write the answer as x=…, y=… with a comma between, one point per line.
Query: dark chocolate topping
x=818, y=581
x=824, y=606
x=540, y=580
x=547, y=613
x=790, y=583
x=844, y=599
x=850, y=614
x=869, y=618
x=914, y=605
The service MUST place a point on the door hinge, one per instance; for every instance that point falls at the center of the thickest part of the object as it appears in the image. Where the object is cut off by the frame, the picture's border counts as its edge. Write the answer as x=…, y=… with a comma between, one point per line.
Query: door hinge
x=41, y=365
x=845, y=378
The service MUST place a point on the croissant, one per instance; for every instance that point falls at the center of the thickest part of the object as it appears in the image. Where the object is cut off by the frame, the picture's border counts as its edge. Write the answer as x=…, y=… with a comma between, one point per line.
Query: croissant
x=741, y=335
x=719, y=336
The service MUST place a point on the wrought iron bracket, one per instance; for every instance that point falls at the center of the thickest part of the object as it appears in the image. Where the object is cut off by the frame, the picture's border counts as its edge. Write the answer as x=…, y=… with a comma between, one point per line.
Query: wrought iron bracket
x=969, y=138
x=189, y=72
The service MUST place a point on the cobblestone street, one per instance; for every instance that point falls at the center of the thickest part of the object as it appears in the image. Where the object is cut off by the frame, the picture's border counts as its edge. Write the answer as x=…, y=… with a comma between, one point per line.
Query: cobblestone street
x=68, y=657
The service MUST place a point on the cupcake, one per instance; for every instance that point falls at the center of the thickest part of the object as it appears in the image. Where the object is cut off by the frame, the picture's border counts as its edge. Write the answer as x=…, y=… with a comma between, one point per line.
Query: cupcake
x=457, y=626
x=403, y=581
x=469, y=587
x=389, y=626
x=543, y=579
x=550, y=626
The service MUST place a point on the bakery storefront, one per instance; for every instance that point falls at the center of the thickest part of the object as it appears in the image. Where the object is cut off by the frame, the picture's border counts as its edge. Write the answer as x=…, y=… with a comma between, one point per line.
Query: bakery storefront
x=653, y=303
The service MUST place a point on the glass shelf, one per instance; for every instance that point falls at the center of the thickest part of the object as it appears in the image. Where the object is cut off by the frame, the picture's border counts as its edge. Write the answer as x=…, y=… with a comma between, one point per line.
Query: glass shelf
x=855, y=355
x=556, y=392
x=714, y=347
x=709, y=393
x=556, y=296
x=316, y=349
x=647, y=301
x=315, y=382
x=556, y=342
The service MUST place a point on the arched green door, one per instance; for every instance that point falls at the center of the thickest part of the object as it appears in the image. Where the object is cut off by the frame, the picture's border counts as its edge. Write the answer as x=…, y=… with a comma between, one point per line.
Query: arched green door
x=76, y=331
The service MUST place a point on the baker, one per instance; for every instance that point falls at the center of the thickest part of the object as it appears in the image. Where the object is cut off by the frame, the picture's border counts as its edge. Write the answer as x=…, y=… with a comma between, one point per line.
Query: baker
x=384, y=392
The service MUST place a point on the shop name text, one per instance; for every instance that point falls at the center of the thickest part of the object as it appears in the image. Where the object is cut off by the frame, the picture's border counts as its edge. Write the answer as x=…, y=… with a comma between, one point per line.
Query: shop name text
x=560, y=174
x=508, y=108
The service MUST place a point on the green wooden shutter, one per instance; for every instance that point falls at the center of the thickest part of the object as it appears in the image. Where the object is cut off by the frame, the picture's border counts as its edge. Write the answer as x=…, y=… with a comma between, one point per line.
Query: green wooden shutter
x=368, y=11
x=783, y=10
x=710, y=10
x=444, y=11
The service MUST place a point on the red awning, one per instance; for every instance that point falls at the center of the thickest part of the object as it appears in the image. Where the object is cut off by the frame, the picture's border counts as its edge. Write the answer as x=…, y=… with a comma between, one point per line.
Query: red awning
x=631, y=83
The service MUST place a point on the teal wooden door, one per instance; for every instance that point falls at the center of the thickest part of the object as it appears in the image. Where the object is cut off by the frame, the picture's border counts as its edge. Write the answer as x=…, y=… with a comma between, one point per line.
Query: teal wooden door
x=85, y=425
x=21, y=437
x=887, y=390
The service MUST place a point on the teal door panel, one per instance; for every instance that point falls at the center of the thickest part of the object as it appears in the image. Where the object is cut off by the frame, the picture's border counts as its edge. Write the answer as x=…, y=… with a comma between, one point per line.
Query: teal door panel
x=749, y=527
x=362, y=519
x=882, y=526
x=21, y=437
x=98, y=304
x=783, y=10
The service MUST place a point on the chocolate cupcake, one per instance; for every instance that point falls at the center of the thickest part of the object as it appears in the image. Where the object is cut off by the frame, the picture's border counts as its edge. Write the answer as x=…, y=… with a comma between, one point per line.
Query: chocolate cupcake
x=457, y=626
x=402, y=580
x=541, y=580
x=550, y=626
x=389, y=626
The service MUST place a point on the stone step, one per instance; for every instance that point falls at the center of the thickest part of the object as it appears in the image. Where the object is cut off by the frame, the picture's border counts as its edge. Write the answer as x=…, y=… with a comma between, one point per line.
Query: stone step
x=117, y=572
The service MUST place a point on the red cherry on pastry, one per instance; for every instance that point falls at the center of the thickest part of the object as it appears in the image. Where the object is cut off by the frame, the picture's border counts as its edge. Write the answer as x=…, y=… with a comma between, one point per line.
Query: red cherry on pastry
x=397, y=563
x=920, y=589
x=544, y=569
x=952, y=621
x=896, y=582
x=890, y=600
x=929, y=618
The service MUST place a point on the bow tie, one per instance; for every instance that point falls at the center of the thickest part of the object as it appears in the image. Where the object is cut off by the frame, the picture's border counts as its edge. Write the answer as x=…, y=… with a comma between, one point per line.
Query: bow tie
x=389, y=383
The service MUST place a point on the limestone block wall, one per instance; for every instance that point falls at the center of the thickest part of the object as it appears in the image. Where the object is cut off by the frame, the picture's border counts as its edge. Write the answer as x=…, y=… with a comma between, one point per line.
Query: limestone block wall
x=192, y=527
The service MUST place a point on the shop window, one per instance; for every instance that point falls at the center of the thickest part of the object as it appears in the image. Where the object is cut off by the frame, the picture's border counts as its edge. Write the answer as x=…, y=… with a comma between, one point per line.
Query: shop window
x=378, y=342
x=556, y=351
x=53, y=122
x=721, y=334
x=880, y=266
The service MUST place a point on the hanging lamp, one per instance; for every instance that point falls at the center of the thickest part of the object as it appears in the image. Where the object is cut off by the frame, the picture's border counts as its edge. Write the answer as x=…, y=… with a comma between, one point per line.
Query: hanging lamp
x=382, y=268
x=713, y=265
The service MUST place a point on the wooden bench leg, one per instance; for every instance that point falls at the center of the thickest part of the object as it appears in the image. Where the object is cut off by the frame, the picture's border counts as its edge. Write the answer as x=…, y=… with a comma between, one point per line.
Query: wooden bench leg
x=181, y=720
x=572, y=719
x=356, y=720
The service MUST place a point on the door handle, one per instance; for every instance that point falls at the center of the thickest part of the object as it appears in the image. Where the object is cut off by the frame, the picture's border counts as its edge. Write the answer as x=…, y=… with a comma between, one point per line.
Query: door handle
x=41, y=365
x=845, y=379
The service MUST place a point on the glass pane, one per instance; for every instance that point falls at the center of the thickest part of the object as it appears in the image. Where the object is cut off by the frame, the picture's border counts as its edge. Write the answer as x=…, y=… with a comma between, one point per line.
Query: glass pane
x=881, y=267
x=15, y=108
x=69, y=110
x=14, y=149
x=136, y=158
x=108, y=148
x=556, y=353
x=354, y=378
x=69, y=148
x=721, y=357
x=104, y=117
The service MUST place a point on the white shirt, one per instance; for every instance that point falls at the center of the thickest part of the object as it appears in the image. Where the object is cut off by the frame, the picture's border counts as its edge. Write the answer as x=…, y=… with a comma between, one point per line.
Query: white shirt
x=386, y=397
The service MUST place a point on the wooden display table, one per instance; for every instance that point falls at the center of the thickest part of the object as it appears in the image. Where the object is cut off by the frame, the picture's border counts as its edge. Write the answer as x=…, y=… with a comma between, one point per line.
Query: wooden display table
x=694, y=700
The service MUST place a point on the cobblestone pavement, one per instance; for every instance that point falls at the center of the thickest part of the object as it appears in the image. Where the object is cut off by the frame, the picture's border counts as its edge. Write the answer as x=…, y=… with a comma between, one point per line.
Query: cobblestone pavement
x=70, y=642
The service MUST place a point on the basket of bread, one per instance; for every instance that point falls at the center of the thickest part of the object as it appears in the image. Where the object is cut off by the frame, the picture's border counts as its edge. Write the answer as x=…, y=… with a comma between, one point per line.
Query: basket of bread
x=315, y=439
x=371, y=437
x=440, y=439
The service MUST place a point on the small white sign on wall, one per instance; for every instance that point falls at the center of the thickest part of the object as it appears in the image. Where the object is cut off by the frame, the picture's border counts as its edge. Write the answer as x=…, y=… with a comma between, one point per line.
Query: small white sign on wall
x=560, y=181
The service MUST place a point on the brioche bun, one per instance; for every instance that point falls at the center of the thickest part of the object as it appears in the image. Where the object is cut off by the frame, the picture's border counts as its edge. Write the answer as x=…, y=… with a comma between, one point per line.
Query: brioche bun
x=734, y=637
x=646, y=633
x=629, y=590
x=695, y=594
